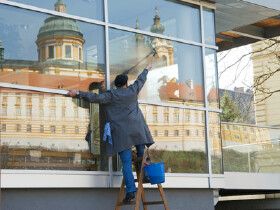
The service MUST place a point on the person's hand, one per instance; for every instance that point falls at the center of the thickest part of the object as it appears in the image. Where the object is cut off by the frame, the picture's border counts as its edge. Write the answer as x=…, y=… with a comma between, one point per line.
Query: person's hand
x=149, y=66
x=72, y=93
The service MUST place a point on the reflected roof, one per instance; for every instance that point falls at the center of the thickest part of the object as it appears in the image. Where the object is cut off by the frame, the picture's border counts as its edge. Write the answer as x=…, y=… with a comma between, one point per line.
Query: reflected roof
x=49, y=81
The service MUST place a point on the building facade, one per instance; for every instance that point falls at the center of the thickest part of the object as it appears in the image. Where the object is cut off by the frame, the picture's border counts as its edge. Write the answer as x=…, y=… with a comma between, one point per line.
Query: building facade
x=59, y=45
x=265, y=64
x=52, y=152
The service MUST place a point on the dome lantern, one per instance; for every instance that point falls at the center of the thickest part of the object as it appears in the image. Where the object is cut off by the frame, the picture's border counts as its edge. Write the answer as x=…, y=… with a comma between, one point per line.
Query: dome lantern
x=60, y=6
x=157, y=27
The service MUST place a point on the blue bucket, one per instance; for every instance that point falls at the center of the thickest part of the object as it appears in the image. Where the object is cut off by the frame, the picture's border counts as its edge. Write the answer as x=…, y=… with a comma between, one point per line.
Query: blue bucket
x=156, y=173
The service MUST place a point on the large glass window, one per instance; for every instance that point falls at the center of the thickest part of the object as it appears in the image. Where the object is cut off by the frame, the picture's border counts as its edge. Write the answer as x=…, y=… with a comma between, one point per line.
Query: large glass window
x=39, y=120
x=176, y=76
x=211, y=78
x=256, y=149
x=37, y=30
x=209, y=26
x=215, y=142
x=177, y=19
x=180, y=146
x=54, y=132
x=89, y=8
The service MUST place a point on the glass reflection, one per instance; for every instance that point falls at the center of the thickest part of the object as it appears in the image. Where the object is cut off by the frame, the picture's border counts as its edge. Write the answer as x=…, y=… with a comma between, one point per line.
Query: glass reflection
x=176, y=76
x=253, y=149
x=177, y=19
x=179, y=142
x=215, y=142
x=211, y=78
x=85, y=8
x=209, y=27
x=42, y=130
x=59, y=49
x=37, y=135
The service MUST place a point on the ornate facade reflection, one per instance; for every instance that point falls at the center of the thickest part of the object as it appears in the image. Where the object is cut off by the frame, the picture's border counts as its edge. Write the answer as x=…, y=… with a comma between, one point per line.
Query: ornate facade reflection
x=35, y=122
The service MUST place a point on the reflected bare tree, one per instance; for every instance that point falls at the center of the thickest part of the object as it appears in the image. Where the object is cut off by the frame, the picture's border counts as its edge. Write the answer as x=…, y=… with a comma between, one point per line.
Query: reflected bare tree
x=270, y=48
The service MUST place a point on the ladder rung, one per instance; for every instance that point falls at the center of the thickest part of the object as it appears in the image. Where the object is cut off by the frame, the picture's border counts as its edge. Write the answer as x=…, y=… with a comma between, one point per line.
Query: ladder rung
x=153, y=203
x=126, y=203
x=144, y=182
x=137, y=159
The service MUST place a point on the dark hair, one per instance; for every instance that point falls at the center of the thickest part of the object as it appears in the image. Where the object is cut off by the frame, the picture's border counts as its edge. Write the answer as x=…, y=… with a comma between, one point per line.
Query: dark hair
x=121, y=80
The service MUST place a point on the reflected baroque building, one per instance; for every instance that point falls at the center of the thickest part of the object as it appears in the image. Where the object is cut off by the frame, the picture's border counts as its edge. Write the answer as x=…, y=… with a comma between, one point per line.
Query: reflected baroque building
x=60, y=53
x=48, y=121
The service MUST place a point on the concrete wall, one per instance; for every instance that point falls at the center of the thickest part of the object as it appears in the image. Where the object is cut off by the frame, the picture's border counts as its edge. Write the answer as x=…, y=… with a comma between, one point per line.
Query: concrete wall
x=262, y=204
x=100, y=199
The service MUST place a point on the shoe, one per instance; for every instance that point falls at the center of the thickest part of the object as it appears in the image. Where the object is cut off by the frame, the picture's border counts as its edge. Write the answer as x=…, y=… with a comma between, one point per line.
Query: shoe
x=129, y=196
x=146, y=179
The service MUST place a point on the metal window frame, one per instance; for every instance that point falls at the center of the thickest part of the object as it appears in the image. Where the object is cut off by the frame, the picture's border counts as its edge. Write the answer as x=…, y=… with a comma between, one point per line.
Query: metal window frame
x=107, y=26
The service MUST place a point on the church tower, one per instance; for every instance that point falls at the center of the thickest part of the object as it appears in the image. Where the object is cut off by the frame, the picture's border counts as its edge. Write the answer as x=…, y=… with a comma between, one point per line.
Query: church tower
x=140, y=39
x=163, y=47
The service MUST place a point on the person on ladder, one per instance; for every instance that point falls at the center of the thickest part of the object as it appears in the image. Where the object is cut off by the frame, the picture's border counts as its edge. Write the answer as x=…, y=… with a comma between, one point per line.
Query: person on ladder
x=126, y=125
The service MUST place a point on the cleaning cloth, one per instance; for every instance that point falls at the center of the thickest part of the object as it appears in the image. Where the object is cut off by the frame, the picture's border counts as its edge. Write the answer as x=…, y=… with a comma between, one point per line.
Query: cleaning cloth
x=107, y=133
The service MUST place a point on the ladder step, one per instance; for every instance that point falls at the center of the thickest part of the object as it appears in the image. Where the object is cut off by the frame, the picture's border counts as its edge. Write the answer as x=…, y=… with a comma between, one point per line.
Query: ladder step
x=137, y=159
x=153, y=203
x=144, y=182
x=127, y=203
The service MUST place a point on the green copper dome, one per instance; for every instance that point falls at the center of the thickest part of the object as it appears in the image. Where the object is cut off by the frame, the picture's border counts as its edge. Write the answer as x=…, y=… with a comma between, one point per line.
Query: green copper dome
x=60, y=26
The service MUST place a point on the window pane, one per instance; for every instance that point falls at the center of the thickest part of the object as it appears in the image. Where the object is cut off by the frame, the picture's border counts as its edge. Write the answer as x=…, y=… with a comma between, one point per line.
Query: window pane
x=211, y=78
x=181, y=145
x=90, y=8
x=53, y=129
x=215, y=143
x=209, y=27
x=68, y=51
x=255, y=151
x=4, y=127
x=18, y=127
x=176, y=76
x=48, y=120
x=43, y=32
x=51, y=51
x=180, y=20
x=41, y=128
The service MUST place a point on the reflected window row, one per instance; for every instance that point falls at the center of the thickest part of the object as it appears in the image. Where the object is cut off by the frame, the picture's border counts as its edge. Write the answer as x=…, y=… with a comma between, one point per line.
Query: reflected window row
x=42, y=128
x=43, y=112
x=166, y=133
x=172, y=115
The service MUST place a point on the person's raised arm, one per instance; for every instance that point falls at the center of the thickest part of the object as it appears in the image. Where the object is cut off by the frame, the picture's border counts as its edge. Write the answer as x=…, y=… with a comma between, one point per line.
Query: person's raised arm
x=102, y=98
x=141, y=79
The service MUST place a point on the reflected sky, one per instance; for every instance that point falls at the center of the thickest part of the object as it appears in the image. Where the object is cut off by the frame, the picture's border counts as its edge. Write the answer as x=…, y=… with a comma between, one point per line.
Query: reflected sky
x=19, y=29
x=179, y=21
x=85, y=8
